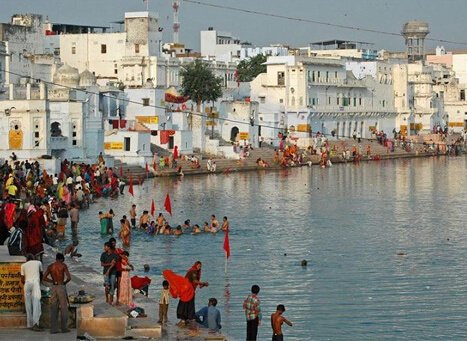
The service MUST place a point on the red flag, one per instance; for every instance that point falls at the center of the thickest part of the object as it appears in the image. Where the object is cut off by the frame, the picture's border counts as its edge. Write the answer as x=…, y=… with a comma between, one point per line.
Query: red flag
x=120, y=172
x=154, y=165
x=147, y=168
x=153, y=208
x=167, y=205
x=130, y=188
x=227, y=243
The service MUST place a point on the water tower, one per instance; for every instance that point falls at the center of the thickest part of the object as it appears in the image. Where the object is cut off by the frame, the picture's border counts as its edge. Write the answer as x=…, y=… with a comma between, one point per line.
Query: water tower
x=415, y=33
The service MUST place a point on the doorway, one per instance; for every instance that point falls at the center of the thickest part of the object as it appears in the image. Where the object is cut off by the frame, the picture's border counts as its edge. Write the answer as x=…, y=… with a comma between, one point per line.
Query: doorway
x=233, y=134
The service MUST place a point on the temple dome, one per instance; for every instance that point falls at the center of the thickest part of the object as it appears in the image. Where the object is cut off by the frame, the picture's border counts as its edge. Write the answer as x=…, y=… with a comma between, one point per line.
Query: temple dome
x=66, y=76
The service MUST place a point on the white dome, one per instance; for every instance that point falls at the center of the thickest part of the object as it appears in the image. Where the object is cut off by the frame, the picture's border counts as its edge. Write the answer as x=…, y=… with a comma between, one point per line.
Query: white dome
x=67, y=76
x=86, y=78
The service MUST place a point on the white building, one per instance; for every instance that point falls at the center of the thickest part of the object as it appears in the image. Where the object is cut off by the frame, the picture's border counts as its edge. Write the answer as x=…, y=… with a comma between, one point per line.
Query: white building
x=129, y=57
x=65, y=121
x=310, y=94
x=273, y=50
x=22, y=40
x=220, y=46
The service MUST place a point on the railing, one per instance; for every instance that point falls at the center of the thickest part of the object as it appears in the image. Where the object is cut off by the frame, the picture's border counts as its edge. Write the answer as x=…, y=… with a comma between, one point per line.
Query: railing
x=58, y=142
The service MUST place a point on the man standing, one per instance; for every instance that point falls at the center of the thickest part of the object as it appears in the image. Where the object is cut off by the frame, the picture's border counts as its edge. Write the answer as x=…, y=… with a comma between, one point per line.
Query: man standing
x=108, y=262
x=74, y=217
x=133, y=216
x=276, y=323
x=210, y=316
x=60, y=276
x=31, y=275
x=252, y=308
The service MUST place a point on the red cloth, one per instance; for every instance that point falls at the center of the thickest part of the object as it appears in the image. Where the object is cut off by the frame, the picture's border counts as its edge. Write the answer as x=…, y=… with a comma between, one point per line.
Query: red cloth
x=167, y=205
x=164, y=136
x=33, y=232
x=139, y=282
x=9, y=211
x=153, y=208
x=179, y=286
x=176, y=153
x=130, y=188
x=227, y=244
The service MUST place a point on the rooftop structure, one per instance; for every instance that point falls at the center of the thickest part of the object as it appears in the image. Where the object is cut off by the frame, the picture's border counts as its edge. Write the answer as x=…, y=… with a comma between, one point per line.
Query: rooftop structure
x=415, y=33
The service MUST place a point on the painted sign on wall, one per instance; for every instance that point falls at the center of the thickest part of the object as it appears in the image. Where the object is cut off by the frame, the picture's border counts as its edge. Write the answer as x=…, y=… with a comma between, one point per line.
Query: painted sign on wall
x=148, y=119
x=113, y=145
x=11, y=288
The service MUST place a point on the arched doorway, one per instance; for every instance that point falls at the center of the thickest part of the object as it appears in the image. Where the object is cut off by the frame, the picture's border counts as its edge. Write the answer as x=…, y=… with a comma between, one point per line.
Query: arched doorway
x=55, y=129
x=233, y=134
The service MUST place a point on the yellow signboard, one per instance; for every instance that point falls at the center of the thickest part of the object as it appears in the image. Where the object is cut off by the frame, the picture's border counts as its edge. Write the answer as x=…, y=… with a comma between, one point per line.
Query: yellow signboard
x=15, y=139
x=303, y=128
x=243, y=135
x=456, y=124
x=11, y=289
x=211, y=123
x=148, y=119
x=113, y=145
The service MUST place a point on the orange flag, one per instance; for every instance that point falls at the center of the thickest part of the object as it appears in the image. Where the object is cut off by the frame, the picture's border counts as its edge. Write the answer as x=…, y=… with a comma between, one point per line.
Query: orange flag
x=167, y=205
x=130, y=188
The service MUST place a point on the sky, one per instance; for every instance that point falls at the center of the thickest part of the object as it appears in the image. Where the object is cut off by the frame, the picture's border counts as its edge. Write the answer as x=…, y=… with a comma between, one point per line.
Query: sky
x=445, y=17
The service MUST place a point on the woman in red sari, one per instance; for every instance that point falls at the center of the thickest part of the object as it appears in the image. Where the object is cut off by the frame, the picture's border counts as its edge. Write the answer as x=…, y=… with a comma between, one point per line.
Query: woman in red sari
x=186, y=310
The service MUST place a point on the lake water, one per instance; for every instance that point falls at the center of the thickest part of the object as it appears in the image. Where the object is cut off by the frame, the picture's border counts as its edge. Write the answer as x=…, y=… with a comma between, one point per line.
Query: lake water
x=349, y=222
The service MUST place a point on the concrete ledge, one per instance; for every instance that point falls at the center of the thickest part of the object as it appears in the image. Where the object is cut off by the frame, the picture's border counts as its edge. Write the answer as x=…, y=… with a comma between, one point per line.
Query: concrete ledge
x=13, y=320
x=103, y=326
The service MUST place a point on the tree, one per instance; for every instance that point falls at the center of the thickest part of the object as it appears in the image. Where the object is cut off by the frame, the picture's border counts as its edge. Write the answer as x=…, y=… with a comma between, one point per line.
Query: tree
x=200, y=83
x=248, y=69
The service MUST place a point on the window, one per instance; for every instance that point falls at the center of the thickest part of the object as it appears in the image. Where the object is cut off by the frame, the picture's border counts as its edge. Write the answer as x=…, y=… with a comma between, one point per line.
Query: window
x=313, y=77
x=360, y=101
x=281, y=78
x=327, y=76
x=281, y=100
x=329, y=100
x=37, y=135
x=127, y=144
x=262, y=99
x=136, y=48
x=74, y=141
x=103, y=48
x=462, y=95
x=73, y=50
x=355, y=101
x=335, y=75
x=145, y=102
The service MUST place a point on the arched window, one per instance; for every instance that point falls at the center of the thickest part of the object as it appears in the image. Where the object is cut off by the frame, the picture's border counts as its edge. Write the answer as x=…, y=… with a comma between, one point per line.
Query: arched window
x=55, y=130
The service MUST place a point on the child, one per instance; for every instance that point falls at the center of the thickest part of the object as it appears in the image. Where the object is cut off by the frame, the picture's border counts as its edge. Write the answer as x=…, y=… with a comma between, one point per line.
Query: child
x=164, y=303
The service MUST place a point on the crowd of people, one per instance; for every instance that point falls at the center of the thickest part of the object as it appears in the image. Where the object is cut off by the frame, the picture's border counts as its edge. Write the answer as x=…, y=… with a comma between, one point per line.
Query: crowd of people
x=157, y=226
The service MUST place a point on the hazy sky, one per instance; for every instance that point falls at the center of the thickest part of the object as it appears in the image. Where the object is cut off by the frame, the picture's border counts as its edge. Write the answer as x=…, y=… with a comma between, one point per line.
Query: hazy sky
x=446, y=18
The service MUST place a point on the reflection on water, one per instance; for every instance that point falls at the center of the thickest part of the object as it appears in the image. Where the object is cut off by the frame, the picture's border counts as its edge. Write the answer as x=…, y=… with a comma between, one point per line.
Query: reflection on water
x=349, y=222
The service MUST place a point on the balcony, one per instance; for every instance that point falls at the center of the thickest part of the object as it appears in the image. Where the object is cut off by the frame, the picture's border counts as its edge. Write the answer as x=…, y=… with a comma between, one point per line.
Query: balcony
x=58, y=142
x=339, y=83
